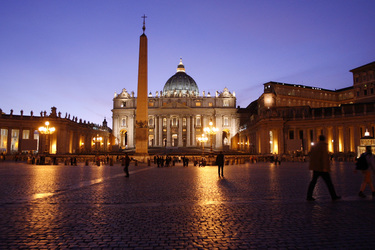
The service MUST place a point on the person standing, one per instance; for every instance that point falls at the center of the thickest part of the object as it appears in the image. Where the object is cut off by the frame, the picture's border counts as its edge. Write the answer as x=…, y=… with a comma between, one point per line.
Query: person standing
x=320, y=165
x=220, y=163
x=367, y=173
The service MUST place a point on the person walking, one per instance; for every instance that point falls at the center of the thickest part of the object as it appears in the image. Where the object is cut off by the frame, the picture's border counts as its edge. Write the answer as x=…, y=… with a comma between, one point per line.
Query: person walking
x=126, y=162
x=367, y=173
x=320, y=165
x=220, y=163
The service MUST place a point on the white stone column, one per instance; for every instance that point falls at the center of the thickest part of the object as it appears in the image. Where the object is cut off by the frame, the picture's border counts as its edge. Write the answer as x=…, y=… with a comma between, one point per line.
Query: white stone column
x=160, y=132
x=219, y=134
x=180, y=143
x=169, y=142
x=116, y=132
x=193, y=141
x=156, y=131
x=188, y=132
x=131, y=132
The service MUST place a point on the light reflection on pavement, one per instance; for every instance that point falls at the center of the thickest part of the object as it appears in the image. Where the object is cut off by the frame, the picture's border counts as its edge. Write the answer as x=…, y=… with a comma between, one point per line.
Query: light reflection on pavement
x=254, y=206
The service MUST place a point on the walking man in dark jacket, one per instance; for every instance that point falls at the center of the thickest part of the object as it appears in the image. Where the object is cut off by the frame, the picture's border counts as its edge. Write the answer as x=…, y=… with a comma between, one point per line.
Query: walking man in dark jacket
x=126, y=162
x=220, y=163
x=321, y=166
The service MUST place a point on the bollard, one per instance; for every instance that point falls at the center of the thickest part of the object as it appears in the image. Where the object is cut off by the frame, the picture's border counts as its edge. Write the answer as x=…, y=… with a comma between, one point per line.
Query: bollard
x=148, y=162
x=136, y=162
x=87, y=162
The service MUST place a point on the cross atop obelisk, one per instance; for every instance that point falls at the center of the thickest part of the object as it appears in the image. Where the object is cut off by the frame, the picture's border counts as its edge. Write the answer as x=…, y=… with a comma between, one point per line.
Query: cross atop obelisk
x=144, y=22
x=141, y=129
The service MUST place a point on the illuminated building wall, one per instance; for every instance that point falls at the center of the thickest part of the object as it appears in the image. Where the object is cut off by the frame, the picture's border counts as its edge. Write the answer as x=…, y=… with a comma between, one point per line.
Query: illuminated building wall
x=71, y=135
x=301, y=113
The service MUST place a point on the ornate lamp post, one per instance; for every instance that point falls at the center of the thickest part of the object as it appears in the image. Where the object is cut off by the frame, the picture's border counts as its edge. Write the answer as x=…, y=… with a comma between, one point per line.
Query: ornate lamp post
x=46, y=130
x=211, y=130
x=203, y=139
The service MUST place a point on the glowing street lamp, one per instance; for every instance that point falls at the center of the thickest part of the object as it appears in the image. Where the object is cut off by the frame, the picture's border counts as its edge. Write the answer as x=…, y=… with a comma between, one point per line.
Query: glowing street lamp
x=367, y=133
x=203, y=139
x=46, y=130
x=211, y=130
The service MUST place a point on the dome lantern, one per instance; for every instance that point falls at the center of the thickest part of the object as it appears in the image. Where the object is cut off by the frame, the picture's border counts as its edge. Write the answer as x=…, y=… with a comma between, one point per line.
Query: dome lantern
x=180, y=67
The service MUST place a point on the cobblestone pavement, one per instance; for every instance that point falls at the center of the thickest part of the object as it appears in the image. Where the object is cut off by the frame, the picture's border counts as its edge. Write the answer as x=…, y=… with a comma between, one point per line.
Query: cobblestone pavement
x=255, y=206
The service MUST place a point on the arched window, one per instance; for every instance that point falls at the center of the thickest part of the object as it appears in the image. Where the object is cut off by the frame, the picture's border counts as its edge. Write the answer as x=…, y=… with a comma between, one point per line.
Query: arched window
x=151, y=122
x=198, y=120
x=124, y=122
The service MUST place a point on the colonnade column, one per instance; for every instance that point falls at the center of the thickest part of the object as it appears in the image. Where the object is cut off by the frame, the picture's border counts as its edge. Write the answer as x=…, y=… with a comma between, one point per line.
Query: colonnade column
x=193, y=141
x=219, y=134
x=280, y=140
x=160, y=132
x=169, y=143
x=346, y=139
x=188, y=132
x=131, y=132
x=116, y=130
x=180, y=144
x=156, y=131
x=20, y=137
x=358, y=136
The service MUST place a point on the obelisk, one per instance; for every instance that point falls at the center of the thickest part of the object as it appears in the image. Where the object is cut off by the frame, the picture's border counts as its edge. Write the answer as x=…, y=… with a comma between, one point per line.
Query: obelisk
x=141, y=130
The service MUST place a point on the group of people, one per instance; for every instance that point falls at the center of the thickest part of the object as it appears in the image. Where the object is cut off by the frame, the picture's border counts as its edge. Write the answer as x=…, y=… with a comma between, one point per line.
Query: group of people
x=320, y=166
x=161, y=162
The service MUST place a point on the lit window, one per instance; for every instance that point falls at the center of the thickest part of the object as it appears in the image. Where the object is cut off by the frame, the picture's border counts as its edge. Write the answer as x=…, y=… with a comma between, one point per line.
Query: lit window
x=174, y=121
x=151, y=122
x=210, y=104
x=164, y=122
x=198, y=104
x=150, y=104
x=184, y=122
x=198, y=120
x=226, y=121
x=25, y=134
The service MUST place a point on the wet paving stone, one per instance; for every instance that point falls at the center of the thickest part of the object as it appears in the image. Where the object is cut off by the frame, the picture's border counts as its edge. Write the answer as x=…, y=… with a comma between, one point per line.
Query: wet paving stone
x=254, y=206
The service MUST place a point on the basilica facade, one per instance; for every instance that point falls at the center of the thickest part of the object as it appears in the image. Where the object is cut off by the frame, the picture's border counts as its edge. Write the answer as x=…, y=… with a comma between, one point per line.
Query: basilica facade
x=177, y=115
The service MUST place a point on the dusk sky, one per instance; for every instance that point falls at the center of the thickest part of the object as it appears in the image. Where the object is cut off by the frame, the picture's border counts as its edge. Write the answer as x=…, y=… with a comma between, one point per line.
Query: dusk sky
x=75, y=55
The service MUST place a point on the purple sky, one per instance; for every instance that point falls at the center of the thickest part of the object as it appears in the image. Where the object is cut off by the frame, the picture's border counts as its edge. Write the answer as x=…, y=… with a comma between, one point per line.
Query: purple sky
x=75, y=54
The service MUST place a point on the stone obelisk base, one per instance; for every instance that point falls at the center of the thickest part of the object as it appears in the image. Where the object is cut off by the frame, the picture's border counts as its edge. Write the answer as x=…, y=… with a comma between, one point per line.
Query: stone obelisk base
x=141, y=141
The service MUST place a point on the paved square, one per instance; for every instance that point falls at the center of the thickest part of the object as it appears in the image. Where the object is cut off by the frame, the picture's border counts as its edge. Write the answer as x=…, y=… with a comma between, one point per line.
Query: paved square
x=255, y=206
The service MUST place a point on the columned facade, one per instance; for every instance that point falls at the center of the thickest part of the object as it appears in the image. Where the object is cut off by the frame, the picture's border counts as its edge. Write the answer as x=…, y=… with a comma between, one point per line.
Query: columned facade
x=288, y=119
x=178, y=114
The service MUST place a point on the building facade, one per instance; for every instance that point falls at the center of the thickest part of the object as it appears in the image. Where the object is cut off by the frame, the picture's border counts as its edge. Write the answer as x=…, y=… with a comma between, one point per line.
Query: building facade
x=177, y=115
x=289, y=118
x=20, y=133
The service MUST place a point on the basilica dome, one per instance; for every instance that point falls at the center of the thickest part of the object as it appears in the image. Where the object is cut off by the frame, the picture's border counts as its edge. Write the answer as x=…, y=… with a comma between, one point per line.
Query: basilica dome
x=180, y=84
